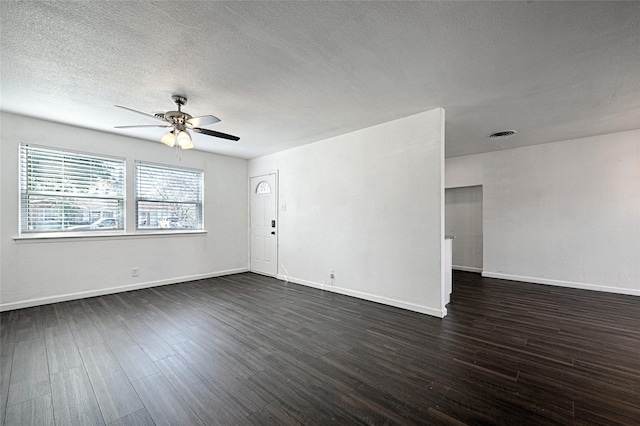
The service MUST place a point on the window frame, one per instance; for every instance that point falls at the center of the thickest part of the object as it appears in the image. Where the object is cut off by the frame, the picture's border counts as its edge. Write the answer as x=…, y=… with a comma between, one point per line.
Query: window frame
x=82, y=230
x=200, y=206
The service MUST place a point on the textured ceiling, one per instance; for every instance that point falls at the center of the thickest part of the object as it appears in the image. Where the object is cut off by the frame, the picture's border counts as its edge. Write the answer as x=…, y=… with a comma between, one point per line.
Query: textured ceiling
x=282, y=74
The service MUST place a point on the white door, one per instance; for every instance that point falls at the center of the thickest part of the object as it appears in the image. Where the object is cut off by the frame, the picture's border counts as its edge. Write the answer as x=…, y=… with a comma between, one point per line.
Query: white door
x=264, y=230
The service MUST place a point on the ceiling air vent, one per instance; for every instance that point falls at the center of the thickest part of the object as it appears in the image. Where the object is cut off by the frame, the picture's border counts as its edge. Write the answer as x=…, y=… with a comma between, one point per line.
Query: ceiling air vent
x=502, y=134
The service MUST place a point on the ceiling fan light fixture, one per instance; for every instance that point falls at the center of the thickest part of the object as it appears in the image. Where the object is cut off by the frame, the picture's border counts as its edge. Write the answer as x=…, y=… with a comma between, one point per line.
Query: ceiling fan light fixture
x=184, y=140
x=169, y=139
x=189, y=146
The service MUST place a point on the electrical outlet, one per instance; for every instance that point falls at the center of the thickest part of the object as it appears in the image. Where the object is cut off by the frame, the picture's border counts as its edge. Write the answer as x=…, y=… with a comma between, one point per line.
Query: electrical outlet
x=332, y=274
x=135, y=272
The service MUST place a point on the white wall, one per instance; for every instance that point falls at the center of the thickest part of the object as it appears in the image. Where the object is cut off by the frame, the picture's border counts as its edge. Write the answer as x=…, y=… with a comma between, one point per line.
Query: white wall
x=370, y=205
x=564, y=213
x=34, y=272
x=463, y=220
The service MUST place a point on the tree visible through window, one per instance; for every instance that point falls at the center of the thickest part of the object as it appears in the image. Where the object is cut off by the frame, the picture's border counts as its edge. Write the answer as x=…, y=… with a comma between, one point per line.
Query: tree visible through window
x=168, y=197
x=66, y=191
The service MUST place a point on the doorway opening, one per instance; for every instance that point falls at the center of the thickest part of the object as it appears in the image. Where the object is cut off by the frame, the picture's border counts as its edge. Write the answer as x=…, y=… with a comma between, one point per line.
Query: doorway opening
x=463, y=220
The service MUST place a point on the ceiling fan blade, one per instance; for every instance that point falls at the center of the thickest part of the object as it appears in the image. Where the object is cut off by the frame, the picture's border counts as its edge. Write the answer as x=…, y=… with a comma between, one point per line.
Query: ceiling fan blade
x=140, y=112
x=142, y=125
x=216, y=134
x=203, y=120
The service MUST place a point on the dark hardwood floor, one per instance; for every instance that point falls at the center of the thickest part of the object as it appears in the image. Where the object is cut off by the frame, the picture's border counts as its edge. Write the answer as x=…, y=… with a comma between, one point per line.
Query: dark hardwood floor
x=247, y=349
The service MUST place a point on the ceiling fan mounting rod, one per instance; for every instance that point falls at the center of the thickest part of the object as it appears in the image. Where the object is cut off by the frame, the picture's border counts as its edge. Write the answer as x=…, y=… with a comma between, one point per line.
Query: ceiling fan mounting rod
x=179, y=100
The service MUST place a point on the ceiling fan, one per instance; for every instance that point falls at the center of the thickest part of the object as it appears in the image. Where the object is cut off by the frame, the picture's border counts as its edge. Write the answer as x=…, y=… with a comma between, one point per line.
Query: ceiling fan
x=181, y=123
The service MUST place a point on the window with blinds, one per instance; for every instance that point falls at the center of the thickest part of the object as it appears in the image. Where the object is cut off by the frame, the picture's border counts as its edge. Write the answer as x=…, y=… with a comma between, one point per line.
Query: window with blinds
x=67, y=191
x=168, y=197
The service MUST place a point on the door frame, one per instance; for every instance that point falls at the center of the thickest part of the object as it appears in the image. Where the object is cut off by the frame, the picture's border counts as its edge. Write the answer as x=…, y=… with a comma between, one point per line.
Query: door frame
x=277, y=201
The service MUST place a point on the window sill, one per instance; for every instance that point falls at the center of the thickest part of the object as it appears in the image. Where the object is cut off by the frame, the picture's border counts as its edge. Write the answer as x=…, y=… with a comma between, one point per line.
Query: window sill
x=77, y=236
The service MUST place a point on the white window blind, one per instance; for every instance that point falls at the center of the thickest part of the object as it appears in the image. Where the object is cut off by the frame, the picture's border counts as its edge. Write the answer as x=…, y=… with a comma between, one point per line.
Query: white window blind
x=168, y=197
x=66, y=191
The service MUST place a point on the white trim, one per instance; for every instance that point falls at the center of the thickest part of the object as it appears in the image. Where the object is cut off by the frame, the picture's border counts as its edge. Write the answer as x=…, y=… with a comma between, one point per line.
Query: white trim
x=100, y=292
x=101, y=235
x=558, y=283
x=368, y=296
x=467, y=269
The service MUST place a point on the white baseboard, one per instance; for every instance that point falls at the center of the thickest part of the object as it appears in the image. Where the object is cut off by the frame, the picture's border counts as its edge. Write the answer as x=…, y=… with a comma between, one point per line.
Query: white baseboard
x=368, y=296
x=559, y=283
x=101, y=292
x=467, y=269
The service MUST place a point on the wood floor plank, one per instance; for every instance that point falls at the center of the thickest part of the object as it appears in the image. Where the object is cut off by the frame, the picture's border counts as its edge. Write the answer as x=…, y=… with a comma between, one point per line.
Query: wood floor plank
x=164, y=404
x=209, y=403
x=29, y=331
x=5, y=377
x=49, y=316
x=37, y=412
x=225, y=355
x=62, y=352
x=152, y=344
x=85, y=333
x=304, y=406
x=169, y=313
x=273, y=414
x=29, y=372
x=596, y=411
x=139, y=418
x=113, y=391
x=8, y=329
x=207, y=364
x=74, y=402
x=160, y=326
x=235, y=334
x=131, y=357
x=103, y=312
